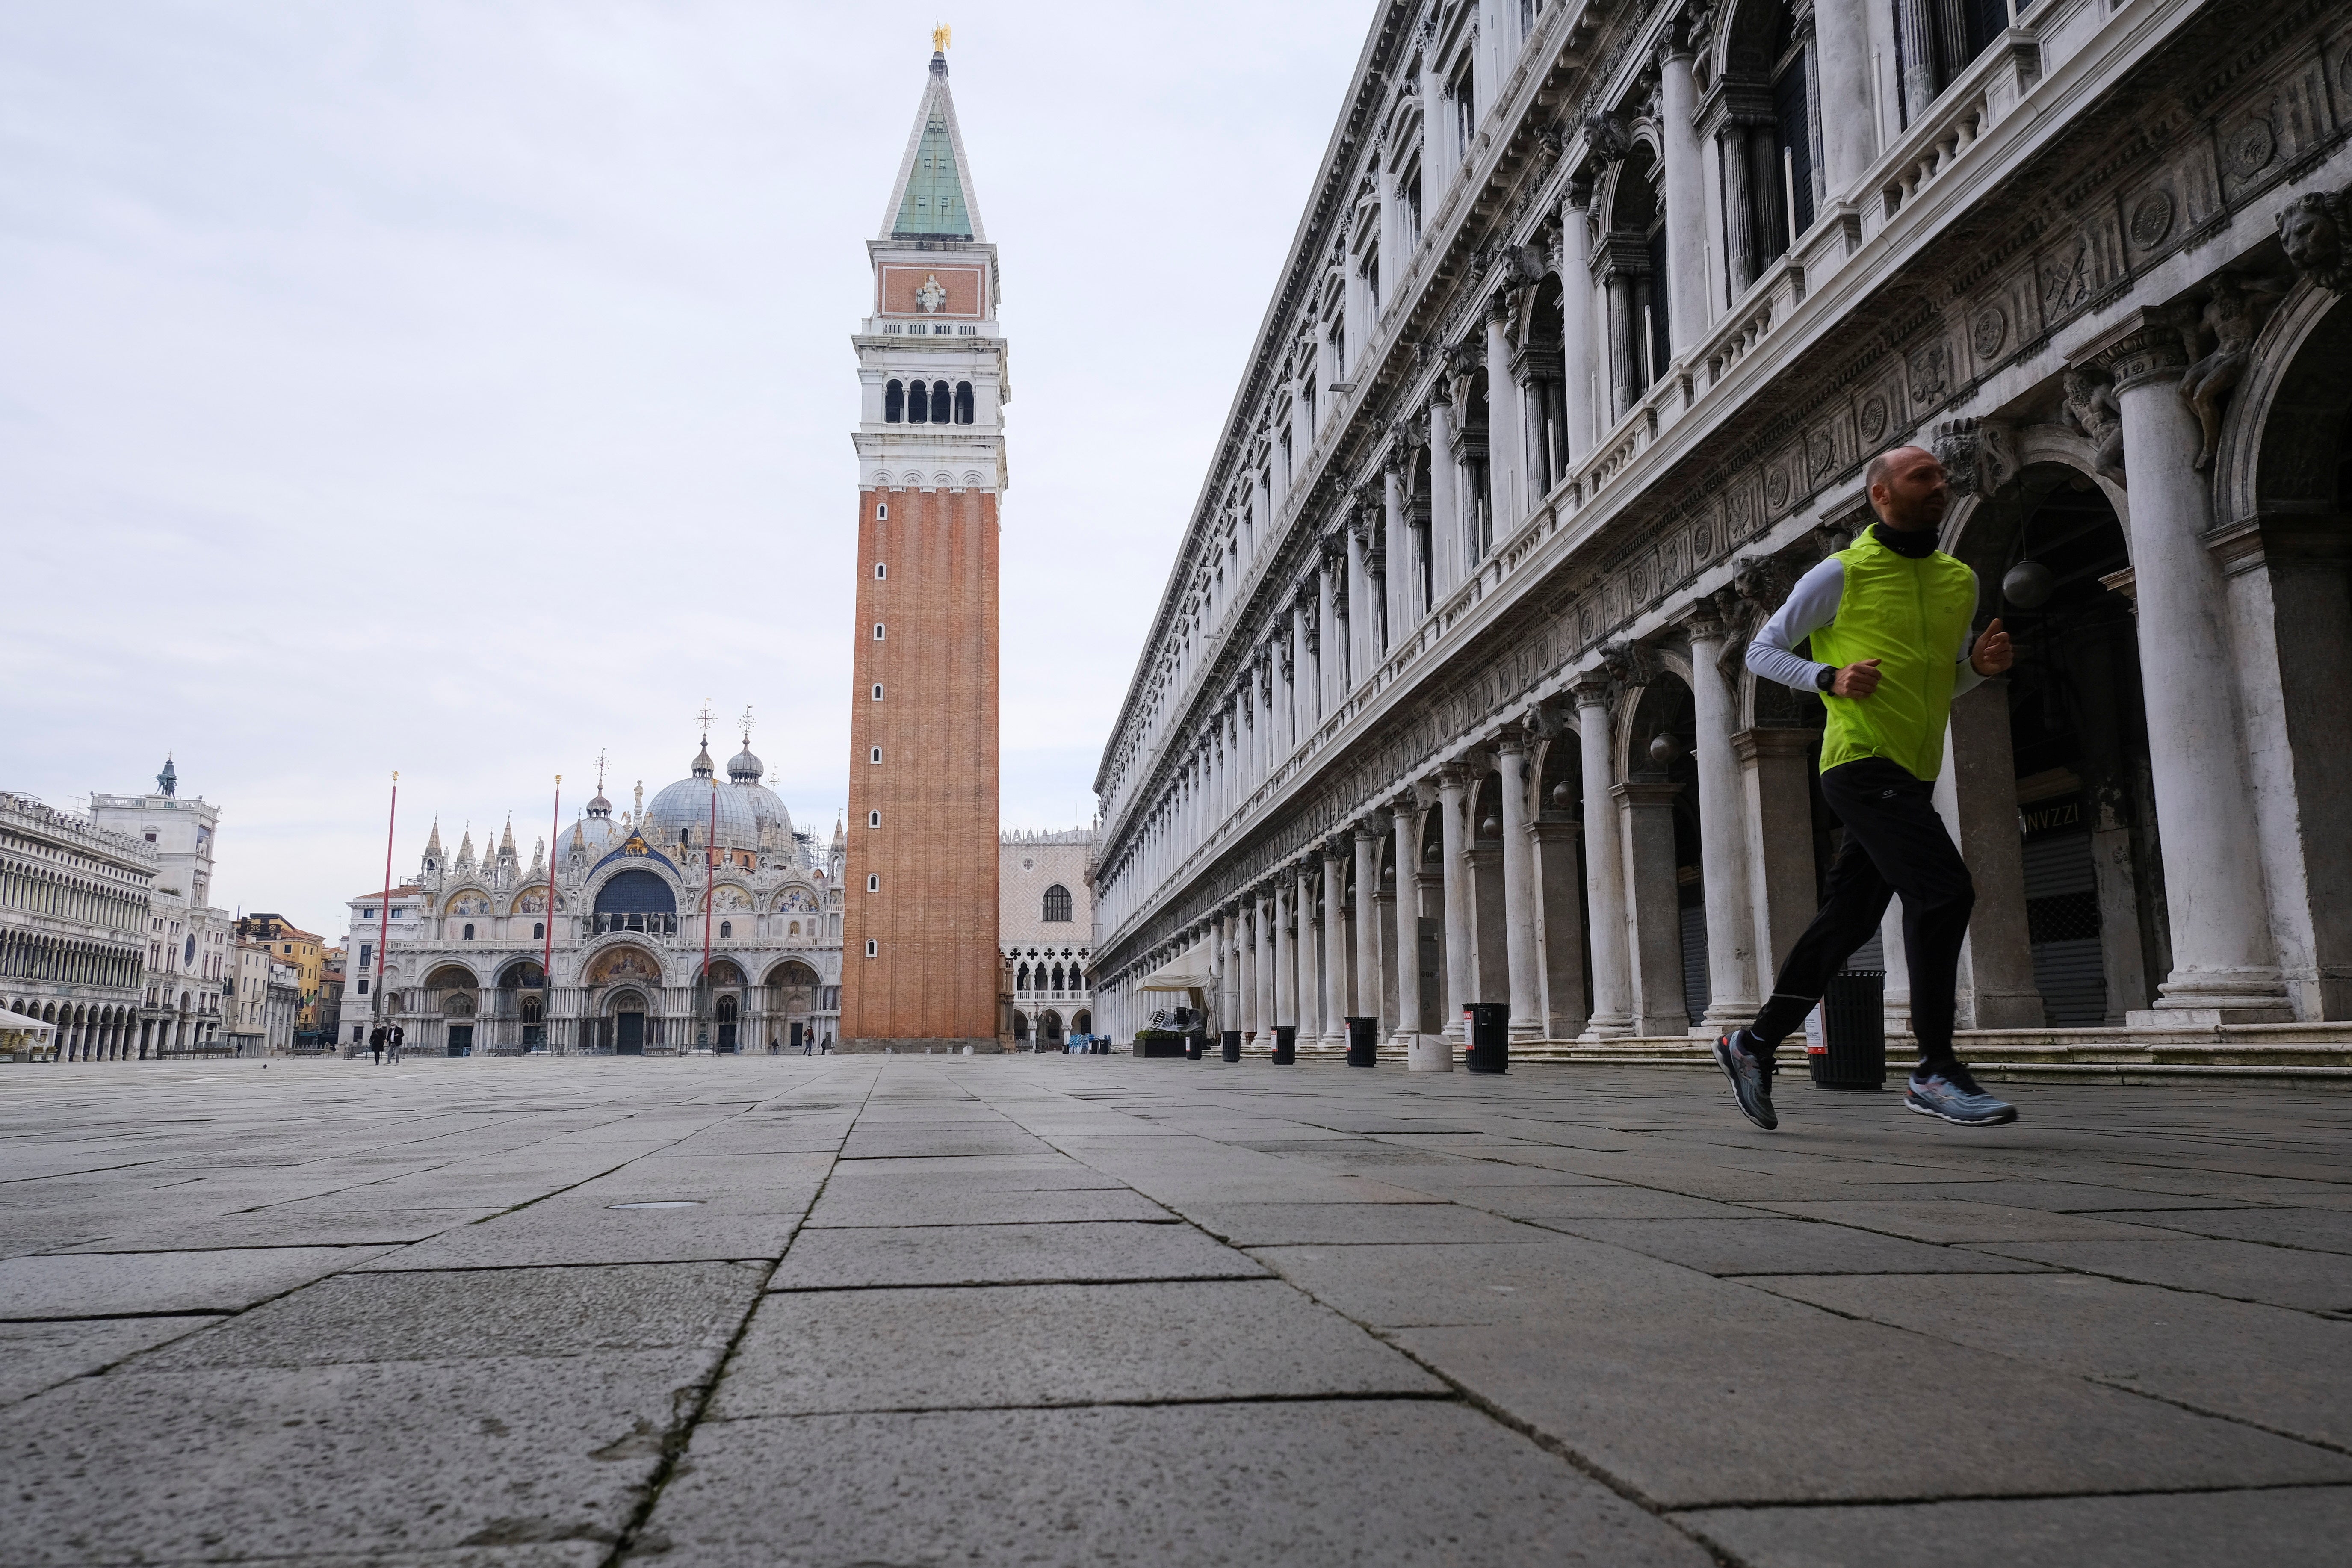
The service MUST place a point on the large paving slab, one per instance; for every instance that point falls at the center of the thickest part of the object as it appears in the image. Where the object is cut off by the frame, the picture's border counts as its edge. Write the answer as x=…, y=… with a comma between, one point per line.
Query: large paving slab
x=556, y=1313
x=1307, y=1485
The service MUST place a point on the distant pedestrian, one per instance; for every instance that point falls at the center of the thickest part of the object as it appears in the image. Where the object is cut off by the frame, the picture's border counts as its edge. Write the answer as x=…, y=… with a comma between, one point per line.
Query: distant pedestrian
x=393, y=1040
x=775, y=1047
x=808, y=1044
x=375, y=1043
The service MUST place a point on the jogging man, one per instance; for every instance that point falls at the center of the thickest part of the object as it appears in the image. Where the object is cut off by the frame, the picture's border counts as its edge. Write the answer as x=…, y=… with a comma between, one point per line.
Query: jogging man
x=1889, y=620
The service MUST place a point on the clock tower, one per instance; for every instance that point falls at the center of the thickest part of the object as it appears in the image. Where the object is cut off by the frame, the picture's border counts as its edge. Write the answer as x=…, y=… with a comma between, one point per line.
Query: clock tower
x=920, y=963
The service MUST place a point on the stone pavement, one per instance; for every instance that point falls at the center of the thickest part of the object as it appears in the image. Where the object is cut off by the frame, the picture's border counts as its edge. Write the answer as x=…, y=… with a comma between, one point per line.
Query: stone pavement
x=1049, y=1309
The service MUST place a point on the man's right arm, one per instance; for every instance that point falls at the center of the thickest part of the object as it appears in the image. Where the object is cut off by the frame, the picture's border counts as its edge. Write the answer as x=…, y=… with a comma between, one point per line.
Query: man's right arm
x=1812, y=604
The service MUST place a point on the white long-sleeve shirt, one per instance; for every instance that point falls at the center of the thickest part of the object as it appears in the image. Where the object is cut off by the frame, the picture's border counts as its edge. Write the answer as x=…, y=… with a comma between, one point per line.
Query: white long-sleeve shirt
x=1812, y=604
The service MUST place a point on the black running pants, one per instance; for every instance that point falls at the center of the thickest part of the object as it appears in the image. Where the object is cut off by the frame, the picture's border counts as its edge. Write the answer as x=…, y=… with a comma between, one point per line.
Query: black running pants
x=1894, y=842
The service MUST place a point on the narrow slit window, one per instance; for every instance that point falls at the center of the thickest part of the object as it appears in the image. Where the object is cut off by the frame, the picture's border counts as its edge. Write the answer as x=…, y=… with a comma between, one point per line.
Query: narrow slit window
x=873, y=881
x=876, y=755
x=873, y=819
x=881, y=570
x=882, y=511
x=877, y=631
x=872, y=947
x=877, y=692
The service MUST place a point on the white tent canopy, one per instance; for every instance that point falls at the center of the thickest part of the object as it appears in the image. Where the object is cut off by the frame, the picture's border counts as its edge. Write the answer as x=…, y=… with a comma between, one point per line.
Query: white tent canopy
x=1187, y=971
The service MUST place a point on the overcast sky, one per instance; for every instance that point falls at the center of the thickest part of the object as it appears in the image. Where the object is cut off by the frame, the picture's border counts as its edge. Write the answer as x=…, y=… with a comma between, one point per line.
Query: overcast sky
x=465, y=389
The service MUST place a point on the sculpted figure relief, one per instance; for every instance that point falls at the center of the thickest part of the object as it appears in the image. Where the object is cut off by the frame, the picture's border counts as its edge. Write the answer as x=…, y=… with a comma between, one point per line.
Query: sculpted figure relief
x=2233, y=317
x=2091, y=404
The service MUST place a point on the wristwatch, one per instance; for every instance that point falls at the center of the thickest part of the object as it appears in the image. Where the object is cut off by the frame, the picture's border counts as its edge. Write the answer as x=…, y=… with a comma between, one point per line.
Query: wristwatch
x=1825, y=678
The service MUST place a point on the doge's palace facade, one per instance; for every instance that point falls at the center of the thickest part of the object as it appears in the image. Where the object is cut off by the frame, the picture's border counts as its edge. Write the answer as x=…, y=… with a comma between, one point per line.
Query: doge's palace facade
x=1595, y=316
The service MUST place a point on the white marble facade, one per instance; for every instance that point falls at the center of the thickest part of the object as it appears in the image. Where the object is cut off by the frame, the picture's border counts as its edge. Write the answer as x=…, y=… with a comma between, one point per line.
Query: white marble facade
x=710, y=865
x=1596, y=314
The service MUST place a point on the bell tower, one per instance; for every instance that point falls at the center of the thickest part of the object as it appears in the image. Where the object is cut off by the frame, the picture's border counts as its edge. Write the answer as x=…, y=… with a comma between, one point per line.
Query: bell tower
x=919, y=963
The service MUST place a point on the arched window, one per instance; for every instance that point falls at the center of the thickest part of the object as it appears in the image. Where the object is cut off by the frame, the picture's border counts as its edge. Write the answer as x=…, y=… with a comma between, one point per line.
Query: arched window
x=919, y=404
x=469, y=932
x=939, y=401
x=1057, y=902
x=894, y=403
x=1057, y=977
x=1021, y=978
x=538, y=930
x=725, y=928
x=964, y=403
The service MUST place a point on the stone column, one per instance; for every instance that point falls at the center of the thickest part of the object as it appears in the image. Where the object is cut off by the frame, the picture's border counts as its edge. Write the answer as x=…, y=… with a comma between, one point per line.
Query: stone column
x=1604, y=866
x=2291, y=616
x=1536, y=443
x=1269, y=964
x=1738, y=206
x=1842, y=72
x=1521, y=951
x=1686, y=196
x=1559, y=925
x=1461, y=984
x=1245, y=923
x=1286, y=970
x=1309, y=978
x=1506, y=470
x=1576, y=322
x=1445, y=551
x=1977, y=795
x=1732, y=999
x=1656, y=926
x=2224, y=968
x=1767, y=188
x=1336, y=990
x=1776, y=768
x=1364, y=624
x=1914, y=36
x=1396, y=540
x=1403, y=821
x=1625, y=343
x=1329, y=659
x=1368, y=925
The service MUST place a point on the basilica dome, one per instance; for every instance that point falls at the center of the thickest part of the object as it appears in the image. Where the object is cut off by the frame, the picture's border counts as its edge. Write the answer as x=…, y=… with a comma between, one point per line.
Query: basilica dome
x=744, y=769
x=682, y=812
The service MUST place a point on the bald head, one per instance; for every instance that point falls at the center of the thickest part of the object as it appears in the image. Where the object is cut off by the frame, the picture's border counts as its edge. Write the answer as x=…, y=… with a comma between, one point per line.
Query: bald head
x=1907, y=487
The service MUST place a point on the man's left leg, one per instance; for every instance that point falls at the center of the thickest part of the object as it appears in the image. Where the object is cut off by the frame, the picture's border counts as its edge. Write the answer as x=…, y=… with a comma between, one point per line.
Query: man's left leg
x=1914, y=851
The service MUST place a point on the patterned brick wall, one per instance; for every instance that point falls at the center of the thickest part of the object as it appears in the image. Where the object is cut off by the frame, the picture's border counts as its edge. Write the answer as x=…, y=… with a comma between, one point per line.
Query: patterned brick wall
x=932, y=918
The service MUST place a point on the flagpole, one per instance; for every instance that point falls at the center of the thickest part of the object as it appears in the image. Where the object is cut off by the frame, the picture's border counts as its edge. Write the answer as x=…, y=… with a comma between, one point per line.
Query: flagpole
x=547, y=954
x=383, y=910
x=709, y=888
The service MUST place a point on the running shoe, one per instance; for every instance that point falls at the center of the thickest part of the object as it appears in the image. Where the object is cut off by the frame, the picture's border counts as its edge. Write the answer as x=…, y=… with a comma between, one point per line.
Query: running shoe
x=1953, y=1093
x=1750, y=1072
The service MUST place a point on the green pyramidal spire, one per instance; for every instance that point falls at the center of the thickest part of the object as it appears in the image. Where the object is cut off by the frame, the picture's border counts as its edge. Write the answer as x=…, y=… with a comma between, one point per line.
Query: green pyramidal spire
x=933, y=201
x=934, y=196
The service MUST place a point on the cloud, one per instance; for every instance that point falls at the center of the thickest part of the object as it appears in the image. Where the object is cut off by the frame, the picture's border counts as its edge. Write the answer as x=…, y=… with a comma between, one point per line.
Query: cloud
x=463, y=389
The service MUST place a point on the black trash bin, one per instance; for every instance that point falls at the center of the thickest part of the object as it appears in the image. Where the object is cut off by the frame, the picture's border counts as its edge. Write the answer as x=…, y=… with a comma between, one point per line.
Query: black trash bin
x=1488, y=1031
x=1285, y=1044
x=1192, y=1048
x=1363, y=1042
x=1229, y=1044
x=1852, y=1053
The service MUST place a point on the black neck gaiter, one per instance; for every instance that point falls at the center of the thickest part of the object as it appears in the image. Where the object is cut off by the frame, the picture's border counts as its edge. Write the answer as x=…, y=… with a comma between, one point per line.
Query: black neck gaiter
x=1915, y=545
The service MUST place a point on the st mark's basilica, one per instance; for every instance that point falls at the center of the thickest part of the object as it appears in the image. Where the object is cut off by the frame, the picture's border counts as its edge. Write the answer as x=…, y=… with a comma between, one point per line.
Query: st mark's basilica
x=638, y=898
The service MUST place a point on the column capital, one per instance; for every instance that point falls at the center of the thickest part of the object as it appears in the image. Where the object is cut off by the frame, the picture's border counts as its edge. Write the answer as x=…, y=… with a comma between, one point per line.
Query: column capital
x=1704, y=621
x=2146, y=345
x=1369, y=831
x=1452, y=776
x=1591, y=688
x=1512, y=740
